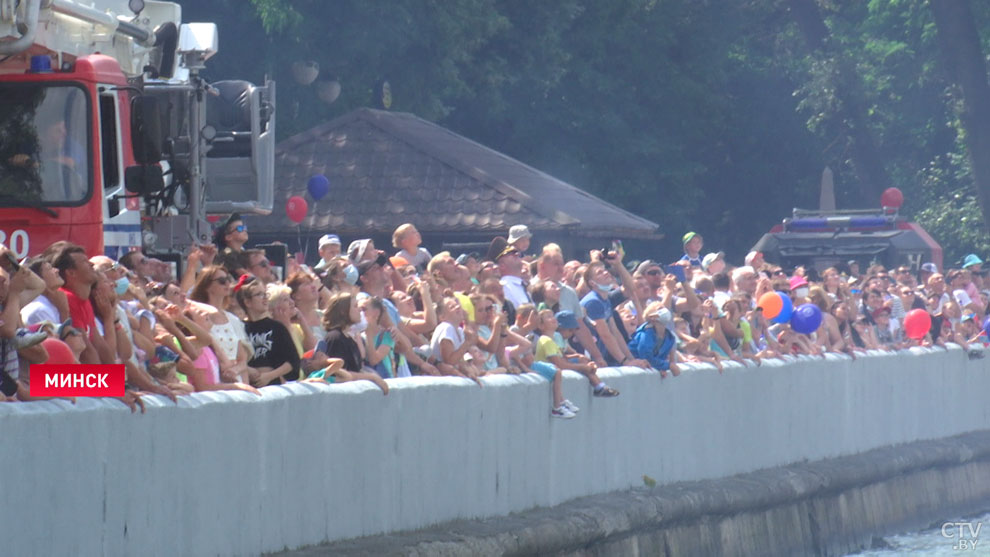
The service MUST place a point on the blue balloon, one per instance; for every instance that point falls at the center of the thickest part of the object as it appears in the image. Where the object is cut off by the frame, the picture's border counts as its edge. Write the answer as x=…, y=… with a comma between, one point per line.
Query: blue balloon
x=786, y=309
x=806, y=318
x=318, y=186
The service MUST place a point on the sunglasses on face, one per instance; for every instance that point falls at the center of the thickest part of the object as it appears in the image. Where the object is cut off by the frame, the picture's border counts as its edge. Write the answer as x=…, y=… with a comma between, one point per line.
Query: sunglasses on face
x=779, y=274
x=238, y=228
x=262, y=263
x=653, y=272
x=222, y=280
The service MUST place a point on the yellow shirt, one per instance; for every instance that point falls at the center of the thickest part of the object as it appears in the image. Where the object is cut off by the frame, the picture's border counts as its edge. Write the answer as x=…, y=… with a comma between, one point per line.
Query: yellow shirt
x=466, y=304
x=545, y=348
x=297, y=337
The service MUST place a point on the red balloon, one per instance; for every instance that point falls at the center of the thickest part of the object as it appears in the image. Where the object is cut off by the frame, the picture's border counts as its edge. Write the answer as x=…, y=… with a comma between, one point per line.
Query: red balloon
x=917, y=322
x=892, y=197
x=58, y=352
x=296, y=208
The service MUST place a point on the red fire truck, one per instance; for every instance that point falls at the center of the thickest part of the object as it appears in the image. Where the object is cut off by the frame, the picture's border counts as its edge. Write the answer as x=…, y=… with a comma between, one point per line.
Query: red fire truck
x=110, y=138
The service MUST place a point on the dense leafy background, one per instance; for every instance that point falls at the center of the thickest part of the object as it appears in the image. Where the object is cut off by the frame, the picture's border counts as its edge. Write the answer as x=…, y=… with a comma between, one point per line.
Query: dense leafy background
x=698, y=114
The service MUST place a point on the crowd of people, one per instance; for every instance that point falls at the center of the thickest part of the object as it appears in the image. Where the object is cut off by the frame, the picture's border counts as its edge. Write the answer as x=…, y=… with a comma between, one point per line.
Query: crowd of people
x=230, y=323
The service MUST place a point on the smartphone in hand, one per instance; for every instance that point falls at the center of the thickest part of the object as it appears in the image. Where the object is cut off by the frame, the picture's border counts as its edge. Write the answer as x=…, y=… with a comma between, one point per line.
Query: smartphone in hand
x=617, y=248
x=14, y=265
x=677, y=271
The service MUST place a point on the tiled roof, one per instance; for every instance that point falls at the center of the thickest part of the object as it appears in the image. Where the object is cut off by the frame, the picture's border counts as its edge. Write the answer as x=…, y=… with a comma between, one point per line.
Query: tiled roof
x=387, y=168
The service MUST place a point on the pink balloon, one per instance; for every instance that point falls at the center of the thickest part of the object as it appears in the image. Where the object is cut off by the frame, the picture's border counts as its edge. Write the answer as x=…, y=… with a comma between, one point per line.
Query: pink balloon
x=917, y=323
x=296, y=208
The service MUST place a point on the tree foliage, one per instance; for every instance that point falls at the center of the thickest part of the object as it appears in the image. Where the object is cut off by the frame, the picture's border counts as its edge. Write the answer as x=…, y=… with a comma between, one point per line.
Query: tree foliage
x=713, y=116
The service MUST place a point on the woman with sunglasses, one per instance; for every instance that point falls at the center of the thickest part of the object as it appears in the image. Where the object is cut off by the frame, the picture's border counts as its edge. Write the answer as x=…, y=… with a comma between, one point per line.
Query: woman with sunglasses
x=910, y=298
x=863, y=335
x=197, y=361
x=211, y=293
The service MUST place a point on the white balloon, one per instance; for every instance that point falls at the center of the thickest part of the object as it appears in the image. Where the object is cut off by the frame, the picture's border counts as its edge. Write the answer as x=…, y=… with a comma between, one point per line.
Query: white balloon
x=305, y=71
x=328, y=91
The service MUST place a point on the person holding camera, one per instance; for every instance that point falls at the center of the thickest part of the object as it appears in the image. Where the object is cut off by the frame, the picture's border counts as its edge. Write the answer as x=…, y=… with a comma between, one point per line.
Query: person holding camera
x=599, y=310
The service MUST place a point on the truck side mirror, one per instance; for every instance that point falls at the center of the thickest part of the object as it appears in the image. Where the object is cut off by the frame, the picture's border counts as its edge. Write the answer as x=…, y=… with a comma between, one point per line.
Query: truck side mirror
x=146, y=129
x=144, y=179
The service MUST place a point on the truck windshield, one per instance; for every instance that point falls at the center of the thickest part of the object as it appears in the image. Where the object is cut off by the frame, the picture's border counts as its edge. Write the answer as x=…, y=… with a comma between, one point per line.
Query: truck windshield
x=44, y=145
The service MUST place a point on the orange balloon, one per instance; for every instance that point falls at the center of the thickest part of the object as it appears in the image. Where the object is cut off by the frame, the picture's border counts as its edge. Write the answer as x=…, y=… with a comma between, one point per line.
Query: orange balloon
x=770, y=304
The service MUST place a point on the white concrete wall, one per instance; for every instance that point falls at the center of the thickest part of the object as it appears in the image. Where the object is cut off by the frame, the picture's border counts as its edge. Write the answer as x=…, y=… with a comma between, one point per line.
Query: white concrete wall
x=232, y=473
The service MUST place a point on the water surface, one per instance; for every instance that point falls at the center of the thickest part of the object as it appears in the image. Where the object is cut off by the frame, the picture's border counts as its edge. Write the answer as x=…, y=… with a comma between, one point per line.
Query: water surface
x=955, y=537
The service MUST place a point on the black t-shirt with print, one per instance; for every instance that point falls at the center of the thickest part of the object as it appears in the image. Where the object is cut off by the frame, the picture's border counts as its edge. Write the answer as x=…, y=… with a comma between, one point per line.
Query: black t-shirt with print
x=339, y=345
x=273, y=346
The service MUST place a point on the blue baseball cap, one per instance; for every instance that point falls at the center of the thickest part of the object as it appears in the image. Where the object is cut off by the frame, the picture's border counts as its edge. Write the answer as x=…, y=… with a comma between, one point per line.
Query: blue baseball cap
x=566, y=320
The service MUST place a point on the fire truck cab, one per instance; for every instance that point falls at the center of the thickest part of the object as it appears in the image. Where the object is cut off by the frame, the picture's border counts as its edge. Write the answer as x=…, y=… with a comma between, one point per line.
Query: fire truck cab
x=110, y=138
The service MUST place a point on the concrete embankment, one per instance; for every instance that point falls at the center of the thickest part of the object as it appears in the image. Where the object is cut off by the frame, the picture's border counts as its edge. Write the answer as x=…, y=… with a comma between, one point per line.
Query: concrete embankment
x=830, y=507
x=232, y=473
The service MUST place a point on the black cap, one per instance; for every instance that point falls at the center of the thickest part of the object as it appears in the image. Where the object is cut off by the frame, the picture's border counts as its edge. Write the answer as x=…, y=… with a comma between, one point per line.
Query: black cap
x=509, y=250
x=365, y=266
x=495, y=248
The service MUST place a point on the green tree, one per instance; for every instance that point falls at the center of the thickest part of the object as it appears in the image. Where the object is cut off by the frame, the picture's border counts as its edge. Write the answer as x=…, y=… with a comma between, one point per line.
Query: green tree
x=713, y=116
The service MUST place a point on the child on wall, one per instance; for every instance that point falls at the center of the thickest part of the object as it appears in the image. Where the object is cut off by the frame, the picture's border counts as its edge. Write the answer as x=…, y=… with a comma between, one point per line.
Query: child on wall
x=560, y=327
x=527, y=321
x=656, y=340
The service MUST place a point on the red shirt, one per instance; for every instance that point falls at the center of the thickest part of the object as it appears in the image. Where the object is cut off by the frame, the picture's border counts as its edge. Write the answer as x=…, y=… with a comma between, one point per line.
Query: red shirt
x=81, y=312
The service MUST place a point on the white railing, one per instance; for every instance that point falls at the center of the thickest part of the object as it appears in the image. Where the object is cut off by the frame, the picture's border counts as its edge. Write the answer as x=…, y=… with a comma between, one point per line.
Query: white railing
x=233, y=473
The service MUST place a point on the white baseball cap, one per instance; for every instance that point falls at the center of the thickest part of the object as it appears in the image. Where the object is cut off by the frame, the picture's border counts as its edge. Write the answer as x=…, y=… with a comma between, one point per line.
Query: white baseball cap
x=518, y=232
x=329, y=239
